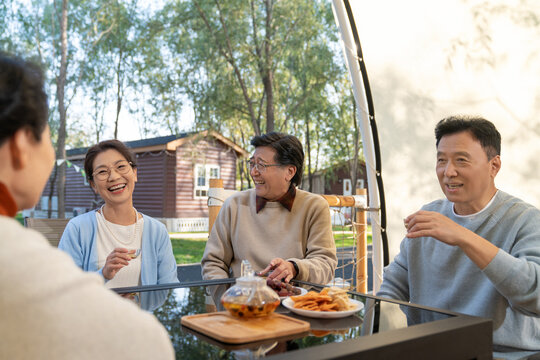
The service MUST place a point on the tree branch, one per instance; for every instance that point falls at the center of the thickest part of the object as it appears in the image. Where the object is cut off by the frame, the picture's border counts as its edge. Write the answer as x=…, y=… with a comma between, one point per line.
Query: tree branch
x=231, y=61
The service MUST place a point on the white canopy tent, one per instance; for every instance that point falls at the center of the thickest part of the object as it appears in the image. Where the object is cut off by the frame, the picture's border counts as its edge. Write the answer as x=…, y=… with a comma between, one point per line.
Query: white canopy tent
x=368, y=128
x=426, y=61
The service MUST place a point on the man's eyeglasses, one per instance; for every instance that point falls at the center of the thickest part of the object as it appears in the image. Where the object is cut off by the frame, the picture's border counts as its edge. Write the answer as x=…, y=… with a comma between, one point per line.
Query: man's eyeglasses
x=122, y=168
x=261, y=168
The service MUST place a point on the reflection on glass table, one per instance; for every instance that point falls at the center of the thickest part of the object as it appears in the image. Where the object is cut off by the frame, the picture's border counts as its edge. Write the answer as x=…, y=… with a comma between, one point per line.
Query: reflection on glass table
x=372, y=331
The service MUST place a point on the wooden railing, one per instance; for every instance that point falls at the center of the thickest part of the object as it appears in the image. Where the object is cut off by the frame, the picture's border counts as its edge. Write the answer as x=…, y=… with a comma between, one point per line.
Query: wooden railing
x=359, y=203
x=52, y=229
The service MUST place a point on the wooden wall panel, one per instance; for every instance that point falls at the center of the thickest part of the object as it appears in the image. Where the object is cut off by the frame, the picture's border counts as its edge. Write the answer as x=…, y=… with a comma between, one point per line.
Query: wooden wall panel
x=148, y=196
x=77, y=193
x=210, y=152
x=169, y=185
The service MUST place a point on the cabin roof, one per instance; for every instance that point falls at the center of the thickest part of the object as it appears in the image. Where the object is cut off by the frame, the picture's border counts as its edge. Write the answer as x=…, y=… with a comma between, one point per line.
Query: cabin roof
x=170, y=142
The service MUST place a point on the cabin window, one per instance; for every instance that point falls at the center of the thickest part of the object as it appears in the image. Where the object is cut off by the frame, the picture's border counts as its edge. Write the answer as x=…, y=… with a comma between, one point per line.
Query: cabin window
x=203, y=174
x=45, y=203
x=347, y=187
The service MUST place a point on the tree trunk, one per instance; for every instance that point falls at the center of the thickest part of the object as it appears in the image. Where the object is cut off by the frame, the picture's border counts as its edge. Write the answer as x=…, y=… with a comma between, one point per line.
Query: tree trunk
x=119, y=91
x=51, y=192
x=60, y=85
x=308, y=150
x=268, y=75
x=269, y=91
x=244, y=169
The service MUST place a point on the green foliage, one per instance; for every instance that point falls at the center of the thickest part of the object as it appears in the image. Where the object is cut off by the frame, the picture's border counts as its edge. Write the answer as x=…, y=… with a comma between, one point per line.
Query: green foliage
x=223, y=51
x=19, y=218
x=243, y=66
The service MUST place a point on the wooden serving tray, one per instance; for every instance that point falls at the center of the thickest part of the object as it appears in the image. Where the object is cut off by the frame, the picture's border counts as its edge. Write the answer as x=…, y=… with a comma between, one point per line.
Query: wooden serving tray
x=226, y=328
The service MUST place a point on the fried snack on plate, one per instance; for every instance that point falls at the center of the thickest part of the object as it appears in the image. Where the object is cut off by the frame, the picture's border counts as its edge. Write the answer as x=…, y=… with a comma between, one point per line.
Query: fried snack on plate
x=329, y=299
x=339, y=296
x=320, y=333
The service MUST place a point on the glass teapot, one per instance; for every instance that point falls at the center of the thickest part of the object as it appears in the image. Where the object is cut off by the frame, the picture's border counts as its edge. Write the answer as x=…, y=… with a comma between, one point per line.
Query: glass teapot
x=250, y=296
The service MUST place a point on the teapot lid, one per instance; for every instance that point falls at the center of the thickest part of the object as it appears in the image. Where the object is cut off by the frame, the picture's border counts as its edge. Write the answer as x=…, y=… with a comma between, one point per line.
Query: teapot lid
x=248, y=274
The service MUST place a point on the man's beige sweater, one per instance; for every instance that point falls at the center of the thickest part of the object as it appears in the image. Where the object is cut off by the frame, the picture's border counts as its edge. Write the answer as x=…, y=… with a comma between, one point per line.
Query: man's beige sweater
x=303, y=235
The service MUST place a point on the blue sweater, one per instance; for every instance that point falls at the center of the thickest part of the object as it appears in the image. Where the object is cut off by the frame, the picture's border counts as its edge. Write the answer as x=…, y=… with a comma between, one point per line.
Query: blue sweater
x=432, y=273
x=158, y=265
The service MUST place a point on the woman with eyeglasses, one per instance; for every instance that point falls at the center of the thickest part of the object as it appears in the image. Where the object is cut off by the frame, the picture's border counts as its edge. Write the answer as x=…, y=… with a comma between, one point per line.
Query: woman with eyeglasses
x=124, y=246
x=283, y=231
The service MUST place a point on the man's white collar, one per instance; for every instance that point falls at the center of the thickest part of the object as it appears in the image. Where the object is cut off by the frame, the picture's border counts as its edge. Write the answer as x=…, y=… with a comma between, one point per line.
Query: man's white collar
x=476, y=213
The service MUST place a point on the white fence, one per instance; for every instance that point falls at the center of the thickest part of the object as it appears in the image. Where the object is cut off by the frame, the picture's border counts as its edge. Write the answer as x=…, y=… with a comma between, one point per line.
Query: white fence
x=185, y=224
x=172, y=224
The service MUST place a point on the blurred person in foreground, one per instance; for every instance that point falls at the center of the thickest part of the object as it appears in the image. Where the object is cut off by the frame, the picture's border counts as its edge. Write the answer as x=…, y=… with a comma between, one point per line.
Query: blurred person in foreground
x=117, y=242
x=476, y=252
x=281, y=230
x=49, y=308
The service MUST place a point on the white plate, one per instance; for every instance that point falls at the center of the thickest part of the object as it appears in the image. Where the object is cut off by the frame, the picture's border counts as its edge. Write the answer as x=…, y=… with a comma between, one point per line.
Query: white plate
x=289, y=304
x=302, y=292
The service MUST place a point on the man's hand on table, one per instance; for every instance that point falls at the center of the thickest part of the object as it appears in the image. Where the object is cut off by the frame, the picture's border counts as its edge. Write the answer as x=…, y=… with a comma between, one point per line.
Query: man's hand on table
x=282, y=270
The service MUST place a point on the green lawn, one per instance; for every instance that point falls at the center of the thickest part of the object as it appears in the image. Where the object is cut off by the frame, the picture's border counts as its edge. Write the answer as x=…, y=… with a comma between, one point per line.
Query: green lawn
x=189, y=251
x=345, y=240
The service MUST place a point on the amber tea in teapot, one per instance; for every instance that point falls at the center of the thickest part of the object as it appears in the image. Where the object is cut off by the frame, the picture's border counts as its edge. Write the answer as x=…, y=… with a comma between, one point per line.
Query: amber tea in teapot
x=250, y=296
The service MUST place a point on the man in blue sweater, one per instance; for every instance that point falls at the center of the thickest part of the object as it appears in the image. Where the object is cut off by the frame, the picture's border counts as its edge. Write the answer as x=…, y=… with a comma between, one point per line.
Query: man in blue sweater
x=476, y=252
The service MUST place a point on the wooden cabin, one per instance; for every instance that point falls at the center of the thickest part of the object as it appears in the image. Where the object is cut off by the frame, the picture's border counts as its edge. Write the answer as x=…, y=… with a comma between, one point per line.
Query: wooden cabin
x=173, y=177
x=336, y=180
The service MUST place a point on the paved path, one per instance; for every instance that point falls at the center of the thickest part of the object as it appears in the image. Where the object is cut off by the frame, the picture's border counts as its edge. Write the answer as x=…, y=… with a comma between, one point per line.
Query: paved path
x=205, y=235
x=188, y=235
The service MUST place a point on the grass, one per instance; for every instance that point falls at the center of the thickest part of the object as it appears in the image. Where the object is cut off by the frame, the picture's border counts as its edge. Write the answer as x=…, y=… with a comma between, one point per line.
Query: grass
x=346, y=240
x=341, y=228
x=19, y=218
x=189, y=251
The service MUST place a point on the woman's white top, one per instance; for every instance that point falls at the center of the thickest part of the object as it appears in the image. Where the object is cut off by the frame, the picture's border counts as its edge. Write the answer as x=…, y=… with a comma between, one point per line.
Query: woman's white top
x=111, y=236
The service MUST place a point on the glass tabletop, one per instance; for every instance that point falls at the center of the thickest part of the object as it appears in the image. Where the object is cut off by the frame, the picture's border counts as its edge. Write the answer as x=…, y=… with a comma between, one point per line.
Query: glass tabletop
x=378, y=317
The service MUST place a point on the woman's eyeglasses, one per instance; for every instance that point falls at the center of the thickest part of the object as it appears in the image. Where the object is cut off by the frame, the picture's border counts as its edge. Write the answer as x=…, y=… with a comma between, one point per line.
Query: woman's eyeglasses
x=258, y=166
x=122, y=168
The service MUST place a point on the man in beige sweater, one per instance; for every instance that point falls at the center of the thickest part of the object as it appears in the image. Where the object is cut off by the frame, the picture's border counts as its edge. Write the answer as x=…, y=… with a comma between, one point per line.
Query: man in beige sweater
x=278, y=228
x=49, y=308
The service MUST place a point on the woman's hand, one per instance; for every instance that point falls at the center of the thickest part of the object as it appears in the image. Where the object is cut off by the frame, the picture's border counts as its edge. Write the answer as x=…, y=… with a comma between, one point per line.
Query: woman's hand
x=282, y=270
x=116, y=260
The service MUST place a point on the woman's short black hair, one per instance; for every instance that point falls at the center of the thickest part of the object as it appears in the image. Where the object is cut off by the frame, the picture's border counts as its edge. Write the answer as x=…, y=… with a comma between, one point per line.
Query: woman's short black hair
x=481, y=129
x=23, y=102
x=288, y=149
x=104, y=146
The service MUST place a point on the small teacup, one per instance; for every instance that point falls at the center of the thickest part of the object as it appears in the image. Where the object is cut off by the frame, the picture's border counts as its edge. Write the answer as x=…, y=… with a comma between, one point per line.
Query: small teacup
x=134, y=254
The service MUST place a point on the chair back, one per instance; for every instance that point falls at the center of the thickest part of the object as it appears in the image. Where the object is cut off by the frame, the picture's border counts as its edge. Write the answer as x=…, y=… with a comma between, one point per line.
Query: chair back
x=52, y=229
x=216, y=196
